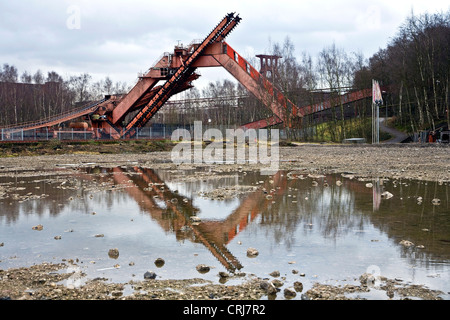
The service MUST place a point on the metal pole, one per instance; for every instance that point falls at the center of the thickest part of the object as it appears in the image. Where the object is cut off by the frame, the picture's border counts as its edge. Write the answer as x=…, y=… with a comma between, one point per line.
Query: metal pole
x=378, y=124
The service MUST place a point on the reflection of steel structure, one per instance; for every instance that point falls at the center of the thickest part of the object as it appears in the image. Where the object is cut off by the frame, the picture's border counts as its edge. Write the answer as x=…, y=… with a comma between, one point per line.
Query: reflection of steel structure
x=121, y=116
x=148, y=189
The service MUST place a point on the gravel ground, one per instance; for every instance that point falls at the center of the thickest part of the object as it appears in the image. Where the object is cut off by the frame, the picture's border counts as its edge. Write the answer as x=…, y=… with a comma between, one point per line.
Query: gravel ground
x=409, y=161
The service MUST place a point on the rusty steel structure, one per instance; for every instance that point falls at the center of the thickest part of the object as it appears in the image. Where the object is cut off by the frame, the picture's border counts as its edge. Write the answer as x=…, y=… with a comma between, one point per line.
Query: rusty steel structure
x=120, y=116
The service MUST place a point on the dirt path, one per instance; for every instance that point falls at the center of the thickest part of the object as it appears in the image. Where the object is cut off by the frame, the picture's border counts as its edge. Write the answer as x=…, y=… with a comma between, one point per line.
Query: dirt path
x=397, y=136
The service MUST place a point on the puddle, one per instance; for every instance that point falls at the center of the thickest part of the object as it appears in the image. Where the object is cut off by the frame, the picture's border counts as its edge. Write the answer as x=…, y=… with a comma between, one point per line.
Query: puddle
x=309, y=228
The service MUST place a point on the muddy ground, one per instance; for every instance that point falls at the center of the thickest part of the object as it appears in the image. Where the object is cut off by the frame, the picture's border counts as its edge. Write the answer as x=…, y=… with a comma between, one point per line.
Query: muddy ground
x=45, y=281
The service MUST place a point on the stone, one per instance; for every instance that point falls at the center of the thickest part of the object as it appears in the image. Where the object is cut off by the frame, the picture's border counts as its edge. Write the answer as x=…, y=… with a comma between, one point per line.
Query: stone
x=159, y=262
x=113, y=253
x=252, y=252
x=406, y=243
x=386, y=195
x=117, y=293
x=277, y=283
x=436, y=201
x=298, y=286
x=149, y=275
x=275, y=273
x=367, y=279
x=268, y=287
x=289, y=293
x=195, y=219
x=39, y=227
x=203, y=268
x=224, y=274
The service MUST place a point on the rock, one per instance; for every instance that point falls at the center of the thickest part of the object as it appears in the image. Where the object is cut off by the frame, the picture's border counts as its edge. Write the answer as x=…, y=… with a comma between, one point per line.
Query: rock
x=275, y=273
x=159, y=262
x=386, y=195
x=406, y=243
x=252, y=252
x=367, y=279
x=100, y=235
x=117, y=293
x=39, y=227
x=298, y=286
x=224, y=274
x=202, y=268
x=195, y=219
x=113, y=253
x=149, y=275
x=390, y=293
x=436, y=201
x=277, y=283
x=268, y=287
x=57, y=237
x=289, y=293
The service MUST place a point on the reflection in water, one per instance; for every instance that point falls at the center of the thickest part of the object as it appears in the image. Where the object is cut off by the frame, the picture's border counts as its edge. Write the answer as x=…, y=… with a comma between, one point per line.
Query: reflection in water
x=284, y=212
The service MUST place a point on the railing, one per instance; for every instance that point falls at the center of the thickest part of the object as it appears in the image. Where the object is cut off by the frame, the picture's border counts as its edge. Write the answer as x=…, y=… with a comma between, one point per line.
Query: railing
x=42, y=134
x=156, y=132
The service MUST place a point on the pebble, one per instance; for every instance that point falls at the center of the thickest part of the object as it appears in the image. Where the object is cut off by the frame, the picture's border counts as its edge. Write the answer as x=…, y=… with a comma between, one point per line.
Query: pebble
x=436, y=201
x=149, y=275
x=298, y=286
x=275, y=273
x=202, y=268
x=289, y=293
x=195, y=219
x=159, y=262
x=113, y=253
x=386, y=195
x=277, y=283
x=252, y=252
x=268, y=287
x=39, y=227
x=406, y=243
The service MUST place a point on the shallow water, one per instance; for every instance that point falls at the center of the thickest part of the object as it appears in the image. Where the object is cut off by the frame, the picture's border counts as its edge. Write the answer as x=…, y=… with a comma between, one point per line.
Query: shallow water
x=322, y=230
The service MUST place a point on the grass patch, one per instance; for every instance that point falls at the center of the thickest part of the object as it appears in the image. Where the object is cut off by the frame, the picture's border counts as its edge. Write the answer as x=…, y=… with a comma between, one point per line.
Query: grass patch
x=54, y=146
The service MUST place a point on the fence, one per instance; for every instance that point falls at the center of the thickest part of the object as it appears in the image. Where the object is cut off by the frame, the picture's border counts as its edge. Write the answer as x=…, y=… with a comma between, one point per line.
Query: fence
x=155, y=132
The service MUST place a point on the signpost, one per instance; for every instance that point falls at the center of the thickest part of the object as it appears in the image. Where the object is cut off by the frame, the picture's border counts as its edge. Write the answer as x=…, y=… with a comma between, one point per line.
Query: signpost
x=377, y=101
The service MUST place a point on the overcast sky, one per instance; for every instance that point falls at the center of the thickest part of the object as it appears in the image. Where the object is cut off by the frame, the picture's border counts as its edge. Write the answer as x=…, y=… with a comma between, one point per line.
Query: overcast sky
x=119, y=39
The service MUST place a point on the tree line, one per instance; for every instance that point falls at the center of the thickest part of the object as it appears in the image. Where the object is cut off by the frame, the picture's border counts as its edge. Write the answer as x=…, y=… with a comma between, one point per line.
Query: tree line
x=33, y=96
x=416, y=67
